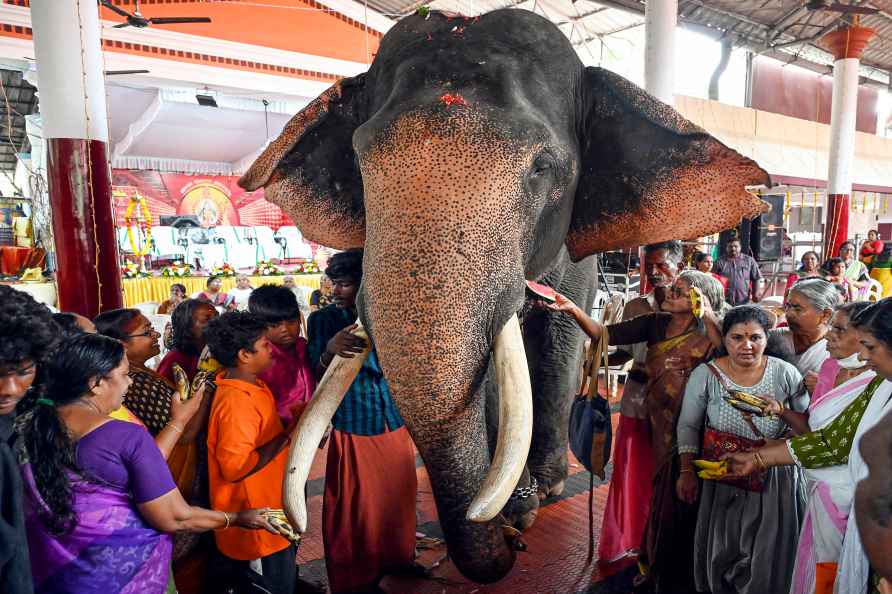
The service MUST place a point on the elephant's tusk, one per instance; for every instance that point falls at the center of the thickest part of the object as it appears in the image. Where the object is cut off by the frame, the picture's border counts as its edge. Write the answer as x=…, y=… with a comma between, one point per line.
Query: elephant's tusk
x=311, y=427
x=515, y=424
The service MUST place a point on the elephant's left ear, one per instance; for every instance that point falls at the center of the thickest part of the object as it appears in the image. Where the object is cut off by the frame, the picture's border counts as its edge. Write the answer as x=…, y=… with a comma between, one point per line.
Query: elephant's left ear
x=648, y=175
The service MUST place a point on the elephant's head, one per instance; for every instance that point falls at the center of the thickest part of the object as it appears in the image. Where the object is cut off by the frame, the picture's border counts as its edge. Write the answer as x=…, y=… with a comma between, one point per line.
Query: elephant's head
x=463, y=161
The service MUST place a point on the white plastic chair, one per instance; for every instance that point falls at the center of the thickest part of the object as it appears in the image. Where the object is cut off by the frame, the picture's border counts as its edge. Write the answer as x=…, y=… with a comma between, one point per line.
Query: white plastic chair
x=874, y=291
x=611, y=314
x=147, y=308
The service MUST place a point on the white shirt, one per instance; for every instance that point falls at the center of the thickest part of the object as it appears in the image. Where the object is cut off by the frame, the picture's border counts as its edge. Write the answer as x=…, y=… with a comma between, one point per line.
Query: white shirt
x=241, y=297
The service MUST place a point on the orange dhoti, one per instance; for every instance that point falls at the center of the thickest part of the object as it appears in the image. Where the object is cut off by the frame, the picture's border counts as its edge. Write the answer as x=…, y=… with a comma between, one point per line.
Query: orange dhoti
x=368, y=511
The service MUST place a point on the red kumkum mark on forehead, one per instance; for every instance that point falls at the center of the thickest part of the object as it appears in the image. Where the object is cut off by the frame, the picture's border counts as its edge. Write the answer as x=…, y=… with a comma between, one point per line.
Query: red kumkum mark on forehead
x=452, y=99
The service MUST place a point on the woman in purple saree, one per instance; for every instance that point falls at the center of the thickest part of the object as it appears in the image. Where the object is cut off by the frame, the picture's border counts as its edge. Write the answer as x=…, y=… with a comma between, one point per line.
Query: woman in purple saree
x=100, y=502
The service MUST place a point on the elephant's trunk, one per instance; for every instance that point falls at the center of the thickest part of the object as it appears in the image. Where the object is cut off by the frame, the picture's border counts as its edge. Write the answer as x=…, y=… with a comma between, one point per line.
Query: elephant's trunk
x=443, y=275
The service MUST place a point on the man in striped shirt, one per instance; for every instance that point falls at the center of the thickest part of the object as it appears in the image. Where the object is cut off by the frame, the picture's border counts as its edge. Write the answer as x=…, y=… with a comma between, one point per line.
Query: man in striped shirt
x=368, y=510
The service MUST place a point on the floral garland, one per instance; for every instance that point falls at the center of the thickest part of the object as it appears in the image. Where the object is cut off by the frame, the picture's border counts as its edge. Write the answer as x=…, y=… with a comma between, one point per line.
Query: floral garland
x=224, y=270
x=131, y=269
x=307, y=268
x=177, y=269
x=143, y=221
x=266, y=268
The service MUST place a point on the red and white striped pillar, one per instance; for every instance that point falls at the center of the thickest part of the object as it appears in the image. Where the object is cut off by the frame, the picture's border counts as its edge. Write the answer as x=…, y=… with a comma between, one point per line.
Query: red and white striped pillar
x=75, y=125
x=847, y=44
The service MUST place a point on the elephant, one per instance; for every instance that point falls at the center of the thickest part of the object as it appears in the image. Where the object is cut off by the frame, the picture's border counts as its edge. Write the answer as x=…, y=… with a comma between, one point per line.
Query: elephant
x=473, y=155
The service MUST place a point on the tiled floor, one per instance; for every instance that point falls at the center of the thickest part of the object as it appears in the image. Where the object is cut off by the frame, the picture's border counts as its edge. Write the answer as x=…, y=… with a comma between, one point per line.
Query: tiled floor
x=556, y=559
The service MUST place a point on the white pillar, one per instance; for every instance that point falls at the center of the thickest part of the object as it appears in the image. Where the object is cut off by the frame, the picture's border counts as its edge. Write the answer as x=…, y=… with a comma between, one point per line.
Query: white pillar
x=71, y=83
x=842, y=125
x=660, y=19
x=847, y=45
x=68, y=55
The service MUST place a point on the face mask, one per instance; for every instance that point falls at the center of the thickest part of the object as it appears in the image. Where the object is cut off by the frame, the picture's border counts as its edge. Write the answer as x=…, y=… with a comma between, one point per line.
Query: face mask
x=851, y=362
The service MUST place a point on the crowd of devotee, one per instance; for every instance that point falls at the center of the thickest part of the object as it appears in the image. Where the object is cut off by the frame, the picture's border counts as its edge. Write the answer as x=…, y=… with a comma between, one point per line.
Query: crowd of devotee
x=114, y=472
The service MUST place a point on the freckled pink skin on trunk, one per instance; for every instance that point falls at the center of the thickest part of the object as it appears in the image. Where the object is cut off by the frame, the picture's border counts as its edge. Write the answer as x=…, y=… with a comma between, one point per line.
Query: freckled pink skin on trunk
x=445, y=235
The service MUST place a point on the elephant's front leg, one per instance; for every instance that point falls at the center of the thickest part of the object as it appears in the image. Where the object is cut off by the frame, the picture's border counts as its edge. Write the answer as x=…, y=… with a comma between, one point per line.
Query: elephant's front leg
x=554, y=349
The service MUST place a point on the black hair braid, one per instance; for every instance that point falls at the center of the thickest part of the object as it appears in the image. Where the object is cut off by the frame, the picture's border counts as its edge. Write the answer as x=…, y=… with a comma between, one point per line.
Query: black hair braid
x=52, y=457
x=71, y=373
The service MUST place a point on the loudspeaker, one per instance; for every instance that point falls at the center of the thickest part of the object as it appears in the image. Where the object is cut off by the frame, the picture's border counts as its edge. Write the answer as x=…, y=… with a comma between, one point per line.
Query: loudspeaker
x=767, y=231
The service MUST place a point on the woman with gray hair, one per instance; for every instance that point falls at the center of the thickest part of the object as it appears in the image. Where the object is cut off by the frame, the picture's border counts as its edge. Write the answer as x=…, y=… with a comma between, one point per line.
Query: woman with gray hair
x=808, y=310
x=676, y=344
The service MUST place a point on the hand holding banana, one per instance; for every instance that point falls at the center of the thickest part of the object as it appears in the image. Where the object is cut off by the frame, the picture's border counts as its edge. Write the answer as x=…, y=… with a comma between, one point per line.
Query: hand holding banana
x=711, y=469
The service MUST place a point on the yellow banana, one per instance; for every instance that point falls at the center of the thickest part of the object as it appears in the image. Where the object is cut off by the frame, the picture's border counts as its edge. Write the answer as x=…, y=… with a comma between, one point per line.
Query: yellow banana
x=696, y=302
x=710, y=464
x=278, y=520
x=182, y=381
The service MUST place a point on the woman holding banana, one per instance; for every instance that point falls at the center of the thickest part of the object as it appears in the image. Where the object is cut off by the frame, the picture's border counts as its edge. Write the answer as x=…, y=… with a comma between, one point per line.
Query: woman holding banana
x=858, y=396
x=676, y=345
x=742, y=541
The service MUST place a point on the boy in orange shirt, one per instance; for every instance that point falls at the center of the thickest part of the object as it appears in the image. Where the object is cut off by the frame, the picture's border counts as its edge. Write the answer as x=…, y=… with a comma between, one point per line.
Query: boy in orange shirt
x=247, y=448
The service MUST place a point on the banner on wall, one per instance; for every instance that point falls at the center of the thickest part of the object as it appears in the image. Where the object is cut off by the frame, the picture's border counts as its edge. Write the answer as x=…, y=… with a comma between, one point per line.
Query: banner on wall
x=215, y=200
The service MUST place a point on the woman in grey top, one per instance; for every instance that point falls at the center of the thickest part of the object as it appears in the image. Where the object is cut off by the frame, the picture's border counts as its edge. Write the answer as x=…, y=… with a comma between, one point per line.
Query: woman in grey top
x=743, y=540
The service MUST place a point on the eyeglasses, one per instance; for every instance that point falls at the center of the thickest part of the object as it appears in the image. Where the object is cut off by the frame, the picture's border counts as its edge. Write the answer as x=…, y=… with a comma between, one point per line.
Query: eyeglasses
x=147, y=333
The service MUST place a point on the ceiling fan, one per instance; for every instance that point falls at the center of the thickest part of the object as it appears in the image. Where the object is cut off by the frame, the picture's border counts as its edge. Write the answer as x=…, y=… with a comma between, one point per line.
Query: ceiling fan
x=839, y=7
x=112, y=72
x=140, y=22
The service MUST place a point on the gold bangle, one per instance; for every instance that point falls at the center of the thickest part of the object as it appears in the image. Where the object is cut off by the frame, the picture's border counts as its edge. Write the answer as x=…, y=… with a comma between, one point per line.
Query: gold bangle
x=760, y=461
x=686, y=470
x=225, y=517
x=174, y=427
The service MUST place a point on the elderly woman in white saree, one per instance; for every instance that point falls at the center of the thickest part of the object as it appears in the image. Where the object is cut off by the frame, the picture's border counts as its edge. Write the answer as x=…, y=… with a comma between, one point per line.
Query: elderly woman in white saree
x=831, y=460
x=808, y=308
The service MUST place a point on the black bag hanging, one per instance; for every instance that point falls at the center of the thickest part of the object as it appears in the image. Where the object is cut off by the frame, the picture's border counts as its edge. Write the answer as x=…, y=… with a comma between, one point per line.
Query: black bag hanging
x=591, y=432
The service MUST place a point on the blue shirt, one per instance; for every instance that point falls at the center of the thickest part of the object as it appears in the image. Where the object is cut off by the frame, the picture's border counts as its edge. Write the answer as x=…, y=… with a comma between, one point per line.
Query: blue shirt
x=368, y=408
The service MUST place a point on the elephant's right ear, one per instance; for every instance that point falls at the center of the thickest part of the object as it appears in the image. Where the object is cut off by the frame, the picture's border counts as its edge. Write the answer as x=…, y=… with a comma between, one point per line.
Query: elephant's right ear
x=310, y=170
x=649, y=175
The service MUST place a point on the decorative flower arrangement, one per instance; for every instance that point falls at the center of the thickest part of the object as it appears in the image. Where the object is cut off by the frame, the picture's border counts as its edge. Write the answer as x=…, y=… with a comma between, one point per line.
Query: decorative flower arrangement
x=267, y=268
x=307, y=268
x=224, y=270
x=131, y=269
x=177, y=269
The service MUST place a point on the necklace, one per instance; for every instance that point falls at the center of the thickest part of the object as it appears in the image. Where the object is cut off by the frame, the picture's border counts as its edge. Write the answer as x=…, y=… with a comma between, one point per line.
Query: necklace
x=91, y=405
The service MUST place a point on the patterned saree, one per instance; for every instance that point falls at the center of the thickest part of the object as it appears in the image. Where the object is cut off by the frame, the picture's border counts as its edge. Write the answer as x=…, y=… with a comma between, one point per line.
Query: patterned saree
x=110, y=550
x=670, y=528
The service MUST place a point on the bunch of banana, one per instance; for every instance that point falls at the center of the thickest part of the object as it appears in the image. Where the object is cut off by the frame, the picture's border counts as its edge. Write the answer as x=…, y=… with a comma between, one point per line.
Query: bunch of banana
x=749, y=403
x=697, y=300
x=186, y=389
x=278, y=520
x=711, y=470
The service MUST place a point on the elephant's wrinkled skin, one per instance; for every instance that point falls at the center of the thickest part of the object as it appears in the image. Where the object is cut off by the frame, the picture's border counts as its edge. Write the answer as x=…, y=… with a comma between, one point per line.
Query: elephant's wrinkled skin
x=474, y=154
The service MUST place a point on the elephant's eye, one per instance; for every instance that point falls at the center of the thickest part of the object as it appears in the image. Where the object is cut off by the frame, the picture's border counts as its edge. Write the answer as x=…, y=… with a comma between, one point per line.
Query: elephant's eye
x=541, y=166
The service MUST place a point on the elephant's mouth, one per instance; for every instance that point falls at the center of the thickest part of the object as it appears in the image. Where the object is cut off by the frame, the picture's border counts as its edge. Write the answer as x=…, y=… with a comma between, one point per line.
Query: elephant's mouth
x=512, y=445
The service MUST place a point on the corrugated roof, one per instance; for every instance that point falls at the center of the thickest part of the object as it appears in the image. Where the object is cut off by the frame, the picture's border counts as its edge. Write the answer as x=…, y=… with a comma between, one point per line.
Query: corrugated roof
x=782, y=29
x=21, y=100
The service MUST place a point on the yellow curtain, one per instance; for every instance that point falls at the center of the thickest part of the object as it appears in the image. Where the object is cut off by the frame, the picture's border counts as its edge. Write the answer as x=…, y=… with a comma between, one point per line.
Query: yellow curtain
x=157, y=288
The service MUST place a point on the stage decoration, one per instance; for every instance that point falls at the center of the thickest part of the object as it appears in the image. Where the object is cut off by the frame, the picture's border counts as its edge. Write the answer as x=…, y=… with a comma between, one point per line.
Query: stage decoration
x=177, y=269
x=223, y=270
x=307, y=268
x=131, y=269
x=138, y=215
x=266, y=268
x=213, y=199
